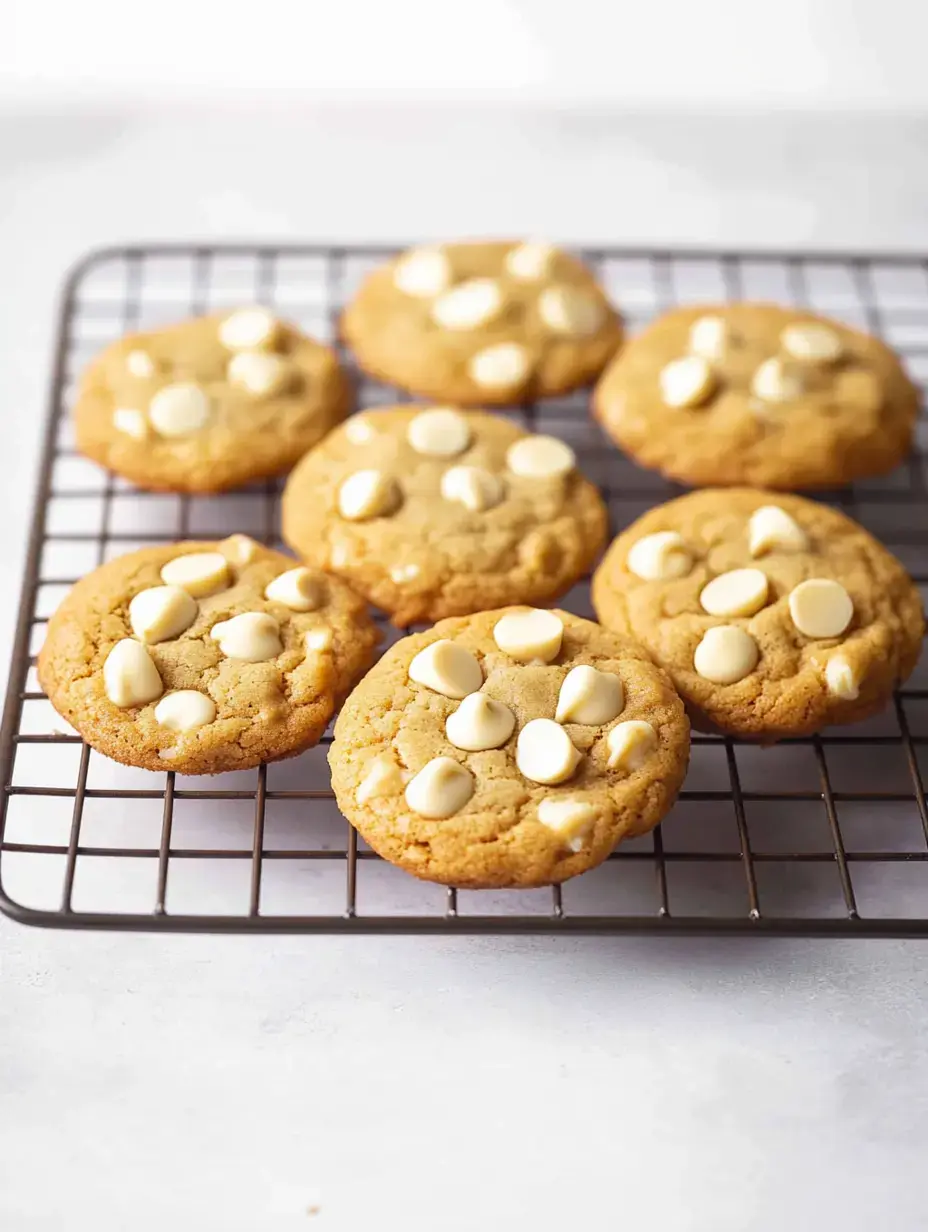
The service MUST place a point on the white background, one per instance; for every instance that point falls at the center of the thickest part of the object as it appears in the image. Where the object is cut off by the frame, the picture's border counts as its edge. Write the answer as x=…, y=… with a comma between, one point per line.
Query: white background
x=423, y=1084
x=844, y=53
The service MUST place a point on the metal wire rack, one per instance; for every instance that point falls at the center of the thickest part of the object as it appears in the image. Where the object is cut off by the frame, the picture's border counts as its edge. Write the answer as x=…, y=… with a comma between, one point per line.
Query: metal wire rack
x=819, y=836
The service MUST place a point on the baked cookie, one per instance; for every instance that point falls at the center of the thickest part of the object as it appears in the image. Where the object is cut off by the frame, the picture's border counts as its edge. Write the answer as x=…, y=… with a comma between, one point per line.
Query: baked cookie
x=758, y=394
x=510, y=748
x=203, y=657
x=437, y=512
x=486, y=323
x=773, y=615
x=209, y=404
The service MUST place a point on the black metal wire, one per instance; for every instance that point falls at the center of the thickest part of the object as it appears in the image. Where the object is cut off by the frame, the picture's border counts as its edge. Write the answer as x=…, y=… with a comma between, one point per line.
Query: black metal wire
x=733, y=804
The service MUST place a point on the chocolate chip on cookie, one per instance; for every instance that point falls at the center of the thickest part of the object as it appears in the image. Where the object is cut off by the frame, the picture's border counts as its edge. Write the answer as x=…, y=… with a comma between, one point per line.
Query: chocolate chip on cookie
x=511, y=748
x=437, y=512
x=759, y=394
x=774, y=616
x=209, y=404
x=204, y=657
x=487, y=323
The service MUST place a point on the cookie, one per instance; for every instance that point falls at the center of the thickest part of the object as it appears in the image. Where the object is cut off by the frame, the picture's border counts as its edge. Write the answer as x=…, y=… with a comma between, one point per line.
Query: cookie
x=204, y=657
x=509, y=748
x=209, y=404
x=758, y=394
x=774, y=616
x=485, y=324
x=437, y=512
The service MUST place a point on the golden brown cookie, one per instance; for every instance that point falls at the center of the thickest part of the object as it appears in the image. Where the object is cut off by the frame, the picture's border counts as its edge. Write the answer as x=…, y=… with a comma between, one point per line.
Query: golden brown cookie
x=510, y=748
x=774, y=616
x=758, y=394
x=483, y=323
x=204, y=657
x=436, y=512
x=209, y=404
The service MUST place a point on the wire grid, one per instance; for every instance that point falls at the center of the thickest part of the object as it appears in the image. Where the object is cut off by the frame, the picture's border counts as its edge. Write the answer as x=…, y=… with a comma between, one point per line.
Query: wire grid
x=826, y=835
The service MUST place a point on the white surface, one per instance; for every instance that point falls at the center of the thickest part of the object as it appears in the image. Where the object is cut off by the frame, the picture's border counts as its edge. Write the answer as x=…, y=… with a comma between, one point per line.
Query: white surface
x=681, y=1086
x=812, y=53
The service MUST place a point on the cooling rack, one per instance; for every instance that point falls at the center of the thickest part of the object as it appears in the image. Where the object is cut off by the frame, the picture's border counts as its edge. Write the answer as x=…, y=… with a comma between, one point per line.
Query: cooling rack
x=820, y=836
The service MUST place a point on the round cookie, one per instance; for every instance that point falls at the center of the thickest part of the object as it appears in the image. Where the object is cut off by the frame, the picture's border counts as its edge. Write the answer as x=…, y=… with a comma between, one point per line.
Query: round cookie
x=483, y=323
x=436, y=512
x=758, y=394
x=209, y=404
x=774, y=616
x=509, y=748
x=204, y=657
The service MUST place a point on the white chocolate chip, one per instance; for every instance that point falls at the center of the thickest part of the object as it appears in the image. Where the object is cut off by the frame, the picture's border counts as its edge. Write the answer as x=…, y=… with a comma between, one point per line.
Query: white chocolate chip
x=161, y=612
x=820, y=608
x=130, y=677
x=530, y=636
x=340, y=555
x=841, y=678
x=688, y=381
x=771, y=529
x=469, y=304
x=199, y=573
x=316, y=640
x=479, y=723
x=502, y=366
x=184, y=710
x=571, y=820
x=659, y=557
x=367, y=494
x=589, y=696
x=383, y=778
x=773, y=382
x=570, y=310
x=726, y=654
x=404, y=573
x=540, y=457
x=423, y=272
x=447, y=669
x=259, y=373
x=239, y=549
x=439, y=433
x=630, y=744
x=472, y=486
x=708, y=338
x=140, y=364
x=178, y=410
x=739, y=592
x=252, y=637
x=297, y=589
x=358, y=430
x=441, y=788
x=131, y=422
x=545, y=753
x=530, y=261
x=248, y=329
x=812, y=342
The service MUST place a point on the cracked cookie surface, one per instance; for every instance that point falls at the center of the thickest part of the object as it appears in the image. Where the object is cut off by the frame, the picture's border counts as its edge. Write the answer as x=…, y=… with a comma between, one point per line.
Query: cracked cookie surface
x=510, y=748
x=751, y=393
x=775, y=616
x=204, y=657
x=210, y=403
x=432, y=512
x=489, y=323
